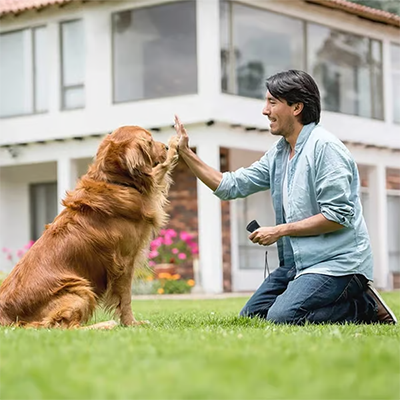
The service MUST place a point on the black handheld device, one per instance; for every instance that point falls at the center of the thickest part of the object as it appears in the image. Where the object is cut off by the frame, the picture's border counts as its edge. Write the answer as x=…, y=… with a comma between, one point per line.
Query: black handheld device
x=252, y=226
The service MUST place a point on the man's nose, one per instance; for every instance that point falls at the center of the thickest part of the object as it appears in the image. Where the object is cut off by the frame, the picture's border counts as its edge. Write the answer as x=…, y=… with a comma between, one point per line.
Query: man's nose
x=266, y=110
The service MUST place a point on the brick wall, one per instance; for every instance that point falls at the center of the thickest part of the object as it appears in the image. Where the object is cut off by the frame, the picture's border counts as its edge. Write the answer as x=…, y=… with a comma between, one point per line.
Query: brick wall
x=183, y=209
x=226, y=230
x=183, y=215
x=396, y=280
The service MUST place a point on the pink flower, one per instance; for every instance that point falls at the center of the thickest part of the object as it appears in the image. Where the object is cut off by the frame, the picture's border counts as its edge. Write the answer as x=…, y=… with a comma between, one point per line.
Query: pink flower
x=185, y=236
x=171, y=233
x=152, y=263
x=167, y=240
x=29, y=244
x=156, y=243
x=175, y=250
x=5, y=250
x=9, y=257
x=153, y=254
x=195, y=249
x=20, y=253
x=182, y=256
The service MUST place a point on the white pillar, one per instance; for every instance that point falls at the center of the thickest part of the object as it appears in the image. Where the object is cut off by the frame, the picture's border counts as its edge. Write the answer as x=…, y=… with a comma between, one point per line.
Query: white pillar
x=209, y=217
x=208, y=48
x=378, y=225
x=67, y=175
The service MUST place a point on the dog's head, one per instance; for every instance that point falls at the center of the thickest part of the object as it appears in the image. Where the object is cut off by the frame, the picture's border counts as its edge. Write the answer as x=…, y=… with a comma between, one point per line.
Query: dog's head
x=128, y=155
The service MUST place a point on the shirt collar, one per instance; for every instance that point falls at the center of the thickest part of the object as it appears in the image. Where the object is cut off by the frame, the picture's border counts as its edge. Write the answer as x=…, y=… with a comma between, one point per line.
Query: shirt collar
x=301, y=140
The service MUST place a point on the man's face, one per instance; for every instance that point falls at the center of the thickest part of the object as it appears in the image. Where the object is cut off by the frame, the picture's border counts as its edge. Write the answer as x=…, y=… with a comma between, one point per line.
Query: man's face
x=280, y=114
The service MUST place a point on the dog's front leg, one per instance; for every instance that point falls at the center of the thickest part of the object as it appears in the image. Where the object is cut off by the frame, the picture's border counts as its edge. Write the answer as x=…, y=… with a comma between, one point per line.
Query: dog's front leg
x=124, y=308
x=162, y=169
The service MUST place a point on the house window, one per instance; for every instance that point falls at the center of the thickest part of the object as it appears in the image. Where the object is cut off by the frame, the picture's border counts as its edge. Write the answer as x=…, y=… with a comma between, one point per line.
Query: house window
x=23, y=72
x=348, y=70
x=395, y=63
x=393, y=210
x=154, y=52
x=256, y=44
x=43, y=202
x=72, y=64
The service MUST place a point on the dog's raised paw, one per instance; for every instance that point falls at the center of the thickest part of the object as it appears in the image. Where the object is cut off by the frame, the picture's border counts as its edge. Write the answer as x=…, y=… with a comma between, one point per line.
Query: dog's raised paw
x=173, y=141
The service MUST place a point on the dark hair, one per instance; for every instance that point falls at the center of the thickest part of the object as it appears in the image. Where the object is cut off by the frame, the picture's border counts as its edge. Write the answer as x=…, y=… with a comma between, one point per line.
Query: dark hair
x=297, y=87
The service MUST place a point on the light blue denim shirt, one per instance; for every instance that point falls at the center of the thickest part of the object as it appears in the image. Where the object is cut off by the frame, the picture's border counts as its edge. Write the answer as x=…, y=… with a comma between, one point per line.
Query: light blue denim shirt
x=322, y=178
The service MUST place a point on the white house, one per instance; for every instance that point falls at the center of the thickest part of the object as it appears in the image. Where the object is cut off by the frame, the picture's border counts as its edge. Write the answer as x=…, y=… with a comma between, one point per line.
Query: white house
x=73, y=71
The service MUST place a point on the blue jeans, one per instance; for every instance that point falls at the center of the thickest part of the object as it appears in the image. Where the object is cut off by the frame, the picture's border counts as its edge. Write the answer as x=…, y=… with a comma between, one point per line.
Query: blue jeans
x=311, y=298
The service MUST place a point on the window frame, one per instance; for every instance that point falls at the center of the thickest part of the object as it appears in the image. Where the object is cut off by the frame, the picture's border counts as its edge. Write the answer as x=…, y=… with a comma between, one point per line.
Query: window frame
x=232, y=75
x=33, y=220
x=34, y=111
x=393, y=72
x=63, y=87
x=370, y=74
x=305, y=23
x=131, y=8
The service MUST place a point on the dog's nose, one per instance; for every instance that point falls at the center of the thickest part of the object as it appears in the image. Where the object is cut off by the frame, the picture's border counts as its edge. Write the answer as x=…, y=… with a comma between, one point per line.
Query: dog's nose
x=166, y=147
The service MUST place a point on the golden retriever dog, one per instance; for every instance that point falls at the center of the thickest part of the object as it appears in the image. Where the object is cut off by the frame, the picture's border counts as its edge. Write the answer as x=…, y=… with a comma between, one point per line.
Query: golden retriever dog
x=87, y=255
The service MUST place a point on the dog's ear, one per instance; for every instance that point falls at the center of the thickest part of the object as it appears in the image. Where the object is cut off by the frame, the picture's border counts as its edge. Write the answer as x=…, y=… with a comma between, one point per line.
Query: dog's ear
x=138, y=160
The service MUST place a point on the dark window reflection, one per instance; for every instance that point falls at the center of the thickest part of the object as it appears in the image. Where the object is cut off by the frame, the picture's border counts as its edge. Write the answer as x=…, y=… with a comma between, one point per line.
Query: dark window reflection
x=155, y=52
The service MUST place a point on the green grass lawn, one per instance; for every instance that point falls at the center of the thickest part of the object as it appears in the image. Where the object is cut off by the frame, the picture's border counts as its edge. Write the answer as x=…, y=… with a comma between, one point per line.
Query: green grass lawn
x=202, y=350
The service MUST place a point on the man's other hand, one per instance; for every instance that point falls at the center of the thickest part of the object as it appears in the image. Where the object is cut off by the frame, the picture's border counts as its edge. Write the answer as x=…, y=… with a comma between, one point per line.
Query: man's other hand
x=265, y=236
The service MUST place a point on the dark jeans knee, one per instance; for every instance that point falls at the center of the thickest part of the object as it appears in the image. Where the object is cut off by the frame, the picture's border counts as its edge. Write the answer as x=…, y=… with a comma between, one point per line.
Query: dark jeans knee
x=278, y=315
x=250, y=312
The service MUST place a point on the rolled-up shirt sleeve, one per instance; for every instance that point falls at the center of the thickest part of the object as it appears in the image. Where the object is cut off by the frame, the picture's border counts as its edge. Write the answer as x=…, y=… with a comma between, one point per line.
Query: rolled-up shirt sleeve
x=245, y=181
x=333, y=180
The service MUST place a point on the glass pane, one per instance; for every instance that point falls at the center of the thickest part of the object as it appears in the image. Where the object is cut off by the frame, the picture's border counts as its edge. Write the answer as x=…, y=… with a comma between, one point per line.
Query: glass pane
x=73, y=53
x=342, y=65
x=41, y=72
x=395, y=63
x=393, y=204
x=396, y=96
x=225, y=43
x=16, y=96
x=74, y=97
x=155, y=52
x=376, y=79
x=264, y=43
x=395, y=56
x=43, y=198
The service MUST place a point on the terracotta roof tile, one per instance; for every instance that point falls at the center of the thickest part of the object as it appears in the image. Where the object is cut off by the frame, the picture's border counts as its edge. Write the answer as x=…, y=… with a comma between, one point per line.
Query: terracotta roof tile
x=18, y=6
x=361, y=11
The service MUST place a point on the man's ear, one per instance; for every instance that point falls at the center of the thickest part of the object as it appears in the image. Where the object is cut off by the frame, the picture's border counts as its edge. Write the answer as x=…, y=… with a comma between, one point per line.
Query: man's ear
x=298, y=108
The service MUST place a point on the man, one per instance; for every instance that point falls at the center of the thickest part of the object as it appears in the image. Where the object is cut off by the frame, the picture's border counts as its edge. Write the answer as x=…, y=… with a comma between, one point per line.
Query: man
x=324, y=250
